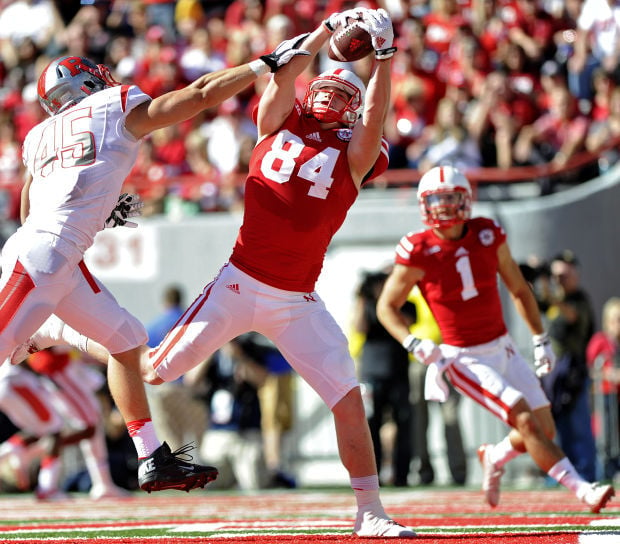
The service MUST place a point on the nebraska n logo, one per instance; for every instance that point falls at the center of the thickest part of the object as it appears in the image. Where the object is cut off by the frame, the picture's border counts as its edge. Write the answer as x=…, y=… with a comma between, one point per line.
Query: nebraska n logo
x=309, y=298
x=234, y=287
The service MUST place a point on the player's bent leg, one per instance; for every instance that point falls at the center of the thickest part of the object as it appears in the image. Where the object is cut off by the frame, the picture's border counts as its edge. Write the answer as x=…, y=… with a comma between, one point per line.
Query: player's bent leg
x=545, y=420
x=166, y=469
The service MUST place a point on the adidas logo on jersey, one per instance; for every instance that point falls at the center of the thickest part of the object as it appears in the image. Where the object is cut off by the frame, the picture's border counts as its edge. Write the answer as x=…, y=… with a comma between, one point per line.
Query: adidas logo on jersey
x=234, y=287
x=314, y=136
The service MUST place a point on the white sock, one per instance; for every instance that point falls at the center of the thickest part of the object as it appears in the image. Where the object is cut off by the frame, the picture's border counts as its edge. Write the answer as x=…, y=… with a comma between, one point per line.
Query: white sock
x=564, y=473
x=366, y=490
x=502, y=452
x=49, y=474
x=142, y=432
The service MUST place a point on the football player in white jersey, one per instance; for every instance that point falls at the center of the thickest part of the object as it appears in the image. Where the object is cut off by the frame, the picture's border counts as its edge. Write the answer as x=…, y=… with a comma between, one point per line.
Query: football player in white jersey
x=77, y=161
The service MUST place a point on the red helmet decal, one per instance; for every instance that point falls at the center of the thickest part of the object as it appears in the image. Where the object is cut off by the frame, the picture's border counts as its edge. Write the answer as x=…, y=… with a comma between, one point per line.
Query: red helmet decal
x=75, y=66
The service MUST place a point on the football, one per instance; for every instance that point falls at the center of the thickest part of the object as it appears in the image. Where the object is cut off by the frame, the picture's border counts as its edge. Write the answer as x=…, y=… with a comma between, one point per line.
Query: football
x=349, y=42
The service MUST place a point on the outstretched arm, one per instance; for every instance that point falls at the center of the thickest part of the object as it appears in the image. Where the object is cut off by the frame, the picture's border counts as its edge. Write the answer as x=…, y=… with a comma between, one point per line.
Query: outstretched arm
x=206, y=92
x=279, y=96
x=174, y=107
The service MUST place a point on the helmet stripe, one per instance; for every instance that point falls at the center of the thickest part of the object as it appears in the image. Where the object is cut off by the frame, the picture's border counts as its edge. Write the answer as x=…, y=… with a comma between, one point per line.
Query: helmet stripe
x=41, y=83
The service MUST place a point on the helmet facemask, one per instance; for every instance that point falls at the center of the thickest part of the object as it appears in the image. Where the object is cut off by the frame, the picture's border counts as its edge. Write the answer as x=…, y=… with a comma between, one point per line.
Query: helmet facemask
x=327, y=105
x=444, y=196
x=445, y=208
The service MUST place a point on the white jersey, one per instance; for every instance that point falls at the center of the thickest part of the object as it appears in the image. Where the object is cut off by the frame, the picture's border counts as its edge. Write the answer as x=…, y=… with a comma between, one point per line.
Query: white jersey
x=79, y=159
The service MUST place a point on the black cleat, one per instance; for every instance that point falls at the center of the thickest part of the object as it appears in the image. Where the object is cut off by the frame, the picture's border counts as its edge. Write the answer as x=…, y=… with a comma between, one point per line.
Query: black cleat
x=164, y=469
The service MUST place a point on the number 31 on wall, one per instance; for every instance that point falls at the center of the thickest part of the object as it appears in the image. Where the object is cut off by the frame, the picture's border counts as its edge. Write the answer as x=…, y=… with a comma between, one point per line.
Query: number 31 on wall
x=124, y=254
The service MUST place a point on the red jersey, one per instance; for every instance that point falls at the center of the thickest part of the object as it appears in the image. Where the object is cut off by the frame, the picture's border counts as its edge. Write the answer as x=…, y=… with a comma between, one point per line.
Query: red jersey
x=460, y=280
x=297, y=194
x=601, y=345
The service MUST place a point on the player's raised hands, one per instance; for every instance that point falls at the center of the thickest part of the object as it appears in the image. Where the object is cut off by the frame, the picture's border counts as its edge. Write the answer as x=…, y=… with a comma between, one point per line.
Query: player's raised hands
x=340, y=18
x=285, y=51
x=381, y=30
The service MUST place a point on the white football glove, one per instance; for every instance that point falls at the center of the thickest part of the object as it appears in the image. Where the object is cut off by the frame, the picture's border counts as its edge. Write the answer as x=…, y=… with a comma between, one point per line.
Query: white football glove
x=340, y=18
x=127, y=206
x=423, y=349
x=544, y=358
x=285, y=51
x=380, y=29
x=435, y=386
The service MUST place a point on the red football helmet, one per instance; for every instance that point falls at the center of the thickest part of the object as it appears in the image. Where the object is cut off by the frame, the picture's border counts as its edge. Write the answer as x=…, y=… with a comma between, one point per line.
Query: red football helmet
x=327, y=106
x=67, y=80
x=444, y=196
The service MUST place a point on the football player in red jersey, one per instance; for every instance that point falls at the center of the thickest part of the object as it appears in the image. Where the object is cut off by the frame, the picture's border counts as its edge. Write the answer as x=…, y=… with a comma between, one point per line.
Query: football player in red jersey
x=77, y=161
x=455, y=263
x=305, y=173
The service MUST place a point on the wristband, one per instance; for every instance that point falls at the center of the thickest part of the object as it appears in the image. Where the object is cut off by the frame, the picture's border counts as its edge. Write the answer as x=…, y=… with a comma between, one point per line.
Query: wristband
x=541, y=338
x=387, y=53
x=410, y=342
x=259, y=67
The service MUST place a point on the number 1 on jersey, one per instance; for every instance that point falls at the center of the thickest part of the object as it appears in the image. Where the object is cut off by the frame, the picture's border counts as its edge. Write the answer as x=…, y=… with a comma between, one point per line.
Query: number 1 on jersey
x=463, y=267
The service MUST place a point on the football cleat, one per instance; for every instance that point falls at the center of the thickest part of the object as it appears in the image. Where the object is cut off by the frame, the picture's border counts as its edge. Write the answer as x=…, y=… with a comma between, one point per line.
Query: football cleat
x=597, y=496
x=49, y=334
x=165, y=469
x=372, y=521
x=491, y=475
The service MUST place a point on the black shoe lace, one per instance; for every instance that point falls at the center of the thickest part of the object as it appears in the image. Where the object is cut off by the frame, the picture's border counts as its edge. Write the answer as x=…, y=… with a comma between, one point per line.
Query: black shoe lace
x=182, y=452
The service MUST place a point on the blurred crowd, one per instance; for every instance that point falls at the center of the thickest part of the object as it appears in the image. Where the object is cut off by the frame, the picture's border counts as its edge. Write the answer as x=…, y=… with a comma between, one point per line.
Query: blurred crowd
x=476, y=83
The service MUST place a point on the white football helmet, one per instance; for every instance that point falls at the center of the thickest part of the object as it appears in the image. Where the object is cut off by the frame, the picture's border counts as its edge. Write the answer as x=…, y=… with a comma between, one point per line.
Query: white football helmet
x=444, y=196
x=67, y=80
x=327, y=107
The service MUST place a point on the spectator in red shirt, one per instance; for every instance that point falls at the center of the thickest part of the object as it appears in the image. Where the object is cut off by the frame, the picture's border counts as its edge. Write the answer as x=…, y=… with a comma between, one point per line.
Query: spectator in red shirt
x=530, y=27
x=555, y=136
x=441, y=24
x=496, y=118
x=603, y=356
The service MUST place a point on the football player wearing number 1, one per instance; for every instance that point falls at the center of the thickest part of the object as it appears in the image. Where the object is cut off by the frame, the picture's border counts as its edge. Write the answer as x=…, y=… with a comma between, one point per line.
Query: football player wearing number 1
x=77, y=161
x=455, y=263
